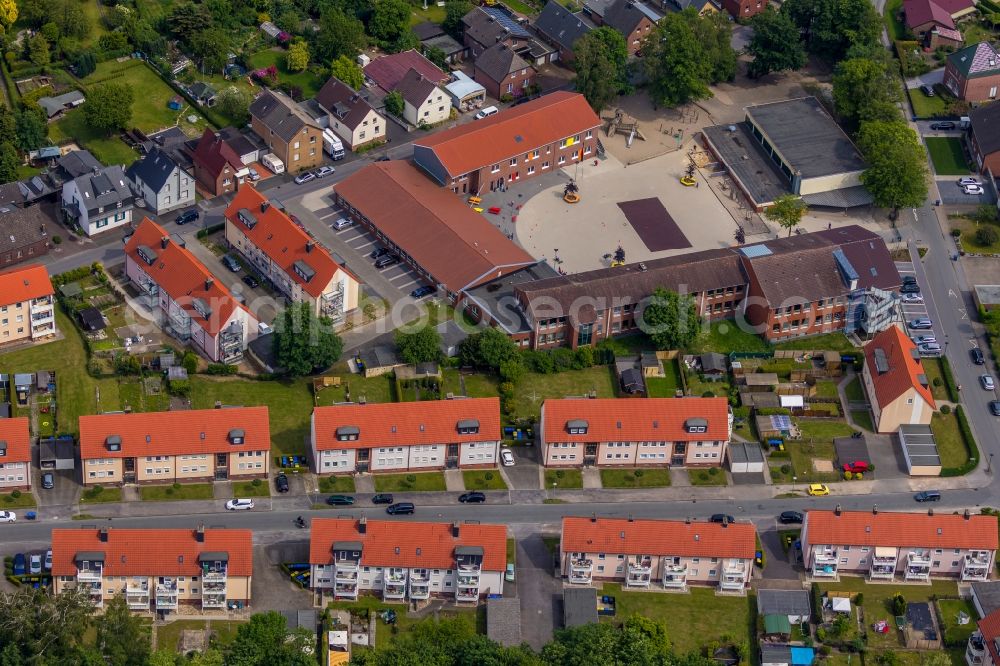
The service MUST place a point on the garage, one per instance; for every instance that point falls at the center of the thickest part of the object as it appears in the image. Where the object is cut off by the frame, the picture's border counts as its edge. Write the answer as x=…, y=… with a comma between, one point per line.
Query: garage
x=745, y=457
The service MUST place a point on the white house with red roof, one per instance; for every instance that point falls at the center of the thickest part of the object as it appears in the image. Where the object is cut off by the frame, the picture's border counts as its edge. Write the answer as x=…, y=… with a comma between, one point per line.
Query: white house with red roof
x=896, y=382
x=184, y=298
x=405, y=436
x=625, y=432
x=289, y=257
x=650, y=554
x=411, y=561
x=27, y=306
x=161, y=570
x=15, y=454
x=902, y=547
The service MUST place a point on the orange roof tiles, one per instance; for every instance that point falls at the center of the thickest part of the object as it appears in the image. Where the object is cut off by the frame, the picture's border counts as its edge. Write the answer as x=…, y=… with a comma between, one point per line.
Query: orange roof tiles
x=182, y=432
x=283, y=241
x=918, y=530
x=183, y=277
x=630, y=420
x=407, y=423
x=904, y=370
x=151, y=552
x=989, y=626
x=15, y=440
x=24, y=283
x=511, y=132
x=658, y=537
x=388, y=543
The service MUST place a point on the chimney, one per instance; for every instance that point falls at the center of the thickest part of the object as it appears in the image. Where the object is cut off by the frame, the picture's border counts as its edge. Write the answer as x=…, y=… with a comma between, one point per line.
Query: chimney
x=837, y=511
x=967, y=515
x=455, y=531
x=199, y=533
x=874, y=509
x=930, y=512
x=309, y=247
x=164, y=242
x=363, y=525
x=208, y=283
x=104, y=534
x=630, y=518
x=218, y=137
x=264, y=206
x=593, y=517
x=687, y=520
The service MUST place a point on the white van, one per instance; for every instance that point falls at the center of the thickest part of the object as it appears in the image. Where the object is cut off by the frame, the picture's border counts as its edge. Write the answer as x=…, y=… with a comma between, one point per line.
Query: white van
x=488, y=111
x=333, y=146
x=272, y=162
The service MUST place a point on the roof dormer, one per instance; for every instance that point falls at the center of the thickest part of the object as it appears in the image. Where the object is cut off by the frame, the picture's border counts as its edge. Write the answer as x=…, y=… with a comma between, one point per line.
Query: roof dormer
x=348, y=433
x=468, y=427
x=113, y=443
x=237, y=436
x=577, y=427
x=696, y=425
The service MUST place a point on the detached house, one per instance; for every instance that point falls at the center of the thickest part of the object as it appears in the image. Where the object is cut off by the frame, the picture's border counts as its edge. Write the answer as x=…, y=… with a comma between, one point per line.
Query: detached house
x=175, y=447
x=287, y=130
x=27, y=304
x=896, y=382
x=562, y=28
x=620, y=432
x=650, y=554
x=984, y=138
x=906, y=547
x=23, y=235
x=289, y=257
x=397, y=437
x=352, y=118
x=15, y=454
x=99, y=201
x=973, y=74
x=408, y=561
x=424, y=103
x=160, y=182
x=155, y=570
x=633, y=19
x=503, y=72
x=217, y=168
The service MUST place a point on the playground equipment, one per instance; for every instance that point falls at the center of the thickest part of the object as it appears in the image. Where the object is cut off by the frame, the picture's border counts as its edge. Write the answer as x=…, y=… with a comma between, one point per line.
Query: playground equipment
x=619, y=257
x=688, y=179
x=571, y=193
x=622, y=123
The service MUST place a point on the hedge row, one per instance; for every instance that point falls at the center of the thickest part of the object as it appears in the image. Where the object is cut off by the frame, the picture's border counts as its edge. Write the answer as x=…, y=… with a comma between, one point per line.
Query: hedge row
x=970, y=447
x=949, y=379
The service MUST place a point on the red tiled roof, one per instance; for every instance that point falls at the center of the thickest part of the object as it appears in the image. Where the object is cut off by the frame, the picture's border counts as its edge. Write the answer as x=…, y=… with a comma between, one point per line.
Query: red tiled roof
x=212, y=154
x=183, y=277
x=16, y=439
x=921, y=530
x=24, y=283
x=407, y=423
x=283, y=241
x=382, y=538
x=151, y=552
x=904, y=367
x=454, y=244
x=919, y=12
x=389, y=70
x=175, y=433
x=511, y=132
x=989, y=626
x=626, y=419
x=658, y=537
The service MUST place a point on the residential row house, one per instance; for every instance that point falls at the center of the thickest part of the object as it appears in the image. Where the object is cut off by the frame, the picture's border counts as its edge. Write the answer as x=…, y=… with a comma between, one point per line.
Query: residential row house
x=175, y=447
x=896, y=381
x=407, y=561
x=350, y=115
x=289, y=257
x=99, y=201
x=901, y=547
x=155, y=570
x=287, y=130
x=406, y=436
x=184, y=298
x=983, y=139
x=424, y=102
x=15, y=454
x=623, y=432
x=27, y=305
x=23, y=231
x=657, y=554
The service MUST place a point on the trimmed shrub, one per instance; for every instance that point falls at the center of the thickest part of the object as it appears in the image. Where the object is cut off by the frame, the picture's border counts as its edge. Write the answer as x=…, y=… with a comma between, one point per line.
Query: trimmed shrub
x=946, y=409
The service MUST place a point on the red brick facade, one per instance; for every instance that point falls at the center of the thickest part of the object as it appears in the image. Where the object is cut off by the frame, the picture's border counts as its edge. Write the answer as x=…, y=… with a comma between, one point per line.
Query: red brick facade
x=513, y=84
x=977, y=89
x=744, y=9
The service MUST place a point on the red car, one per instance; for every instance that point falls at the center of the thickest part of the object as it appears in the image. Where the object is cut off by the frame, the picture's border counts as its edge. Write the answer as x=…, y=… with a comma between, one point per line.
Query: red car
x=856, y=467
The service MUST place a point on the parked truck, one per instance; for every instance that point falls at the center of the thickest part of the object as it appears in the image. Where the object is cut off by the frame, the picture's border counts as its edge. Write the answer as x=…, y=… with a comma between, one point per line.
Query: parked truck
x=333, y=146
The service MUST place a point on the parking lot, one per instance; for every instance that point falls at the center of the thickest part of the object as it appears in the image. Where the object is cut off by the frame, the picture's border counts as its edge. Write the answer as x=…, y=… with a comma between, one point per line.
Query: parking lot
x=952, y=193
x=913, y=311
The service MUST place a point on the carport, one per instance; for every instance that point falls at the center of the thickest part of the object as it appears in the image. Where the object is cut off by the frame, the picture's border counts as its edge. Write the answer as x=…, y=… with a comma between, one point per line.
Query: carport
x=746, y=462
x=57, y=453
x=920, y=450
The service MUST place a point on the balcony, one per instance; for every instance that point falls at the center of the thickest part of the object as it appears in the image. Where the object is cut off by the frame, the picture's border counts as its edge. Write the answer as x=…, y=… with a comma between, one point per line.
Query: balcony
x=166, y=594
x=467, y=593
x=639, y=573
x=137, y=595
x=332, y=304
x=213, y=575
x=394, y=583
x=918, y=567
x=883, y=567
x=581, y=571
x=976, y=566
x=734, y=576
x=420, y=584
x=345, y=590
x=975, y=650
x=83, y=575
x=40, y=304
x=43, y=316
x=213, y=595
x=345, y=574
x=149, y=294
x=825, y=563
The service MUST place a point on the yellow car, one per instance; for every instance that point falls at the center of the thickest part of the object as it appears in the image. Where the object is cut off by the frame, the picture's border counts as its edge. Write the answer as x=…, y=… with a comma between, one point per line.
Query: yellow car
x=818, y=489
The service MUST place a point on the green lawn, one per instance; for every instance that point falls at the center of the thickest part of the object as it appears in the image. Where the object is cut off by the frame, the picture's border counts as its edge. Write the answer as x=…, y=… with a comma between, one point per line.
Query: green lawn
x=24, y=501
x=187, y=491
x=563, y=478
x=802, y=456
x=693, y=620
x=639, y=478
x=704, y=477
x=947, y=155
x=512, y=550
x=104, y=496
x=248, y=489
x=384, y=634
x=168, y=636
x=433, y=13
x=825, y=342
x=697, y=387
x=475, y=385
x=336, y=484
x=968, y=239
x=927, y=107
x=863, y=419
x=948, y=610
x=666, y=386
x=933, y=371
x=896, y=28
x=92, y=14
x=353, y=387
x=827, y=388
x=307, y=80
x=823, y=431
x=424, y=481
x=724, y=337
x=951, y=445
x=854, y=391
x=483, y=479
x=533, y=388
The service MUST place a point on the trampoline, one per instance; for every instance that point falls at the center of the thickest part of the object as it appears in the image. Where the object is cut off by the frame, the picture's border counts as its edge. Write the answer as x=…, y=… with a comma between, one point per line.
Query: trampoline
x=654, y=225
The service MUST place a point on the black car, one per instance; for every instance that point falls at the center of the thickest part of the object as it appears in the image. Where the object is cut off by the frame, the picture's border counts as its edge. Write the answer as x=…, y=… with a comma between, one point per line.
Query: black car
x=474, y=497
x=788, y=517
x=400, y=508
x=281, y=483
x=383, y=158
x=908, y=279
x=910, y=288
x=48, y=480
x=995, y=407
x=251, y=281
x=382, y=498
x=928, y=496
x=425, y=290
x=977, y=356
x=187, y=216
x=946, y=125
x=722, y=517
x=386, y=260
x=927, y=89
x=380, y=252
x=340, y=500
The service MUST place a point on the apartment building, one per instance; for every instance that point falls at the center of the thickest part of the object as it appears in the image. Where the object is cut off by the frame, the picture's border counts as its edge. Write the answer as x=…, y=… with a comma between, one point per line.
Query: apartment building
x=287, y=130
x=27, y=304
x=175, y=447
x=405, y=436
x=624, y=432
x=983, y=647
x=407, y=561
x=902, y=547
x=183, y=296
x=657, y=554
x=156, y=570
x=896, y=382
x=15, y=454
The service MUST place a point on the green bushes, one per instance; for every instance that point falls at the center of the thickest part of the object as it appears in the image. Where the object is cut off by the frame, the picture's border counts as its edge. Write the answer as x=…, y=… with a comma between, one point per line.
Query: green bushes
x=208, y=231
x=949, y=379
x=946, y=409
x=970, y=446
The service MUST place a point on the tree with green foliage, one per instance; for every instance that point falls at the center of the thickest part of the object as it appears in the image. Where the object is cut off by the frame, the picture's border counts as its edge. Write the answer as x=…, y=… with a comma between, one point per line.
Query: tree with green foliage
x=8, y=13
x=303, y=342
x=85, y=64
x=234, y=103
x=420, y=346
x=297, y=58
x=600, y=62
x=210, y=48
x=348, y=71
x=488, y=348
x=9, y=162
x=865, y=89
x=266, y=640
x=8, y=125
x=437, y=56
x=187, y=18
x=454, y=12
x=109, y=107
x=714, y=31
x=670, y=319
x=684, y=53
x=985, y=235
x=639, y=641
x=832, y=27
x=897, y=172
x=339, y=35
x=394, y=103
x=775, y=45
x=390, y=20
x=40, y=628
x=38, y=51
x=786, y=211
x=31, y=130
x=122, y=638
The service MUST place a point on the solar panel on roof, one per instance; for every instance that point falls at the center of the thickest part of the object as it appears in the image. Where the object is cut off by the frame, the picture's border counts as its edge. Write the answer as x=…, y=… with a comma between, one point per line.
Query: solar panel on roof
x=781, y=422
x=507, y=21
x=754, y=251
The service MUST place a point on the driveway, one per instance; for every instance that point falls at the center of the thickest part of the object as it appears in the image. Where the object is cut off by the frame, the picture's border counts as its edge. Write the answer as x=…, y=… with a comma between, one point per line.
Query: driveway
x=524, y=475
x=66, y=491
x=281, y=593
x=540, y=591
x=952, y=194
x=776, y=563
x=932, y=77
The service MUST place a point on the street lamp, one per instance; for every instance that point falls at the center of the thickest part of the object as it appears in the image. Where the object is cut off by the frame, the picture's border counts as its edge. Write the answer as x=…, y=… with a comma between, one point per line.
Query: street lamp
x=989, y=465
x=795, y=480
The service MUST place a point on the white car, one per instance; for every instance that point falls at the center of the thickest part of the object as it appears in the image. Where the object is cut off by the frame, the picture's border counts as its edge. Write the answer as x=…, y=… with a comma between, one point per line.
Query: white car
x=239, y=505
x=35, y=563
x=324, y=171
x=254, y=176
x=342, y=223
x=507, y=457
x=264, y=329
x=968, y=180
x=912, y=298
x=973, y=189
x=48, y=560
x=925, y=339
x=304, y=177
x=7, y=516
